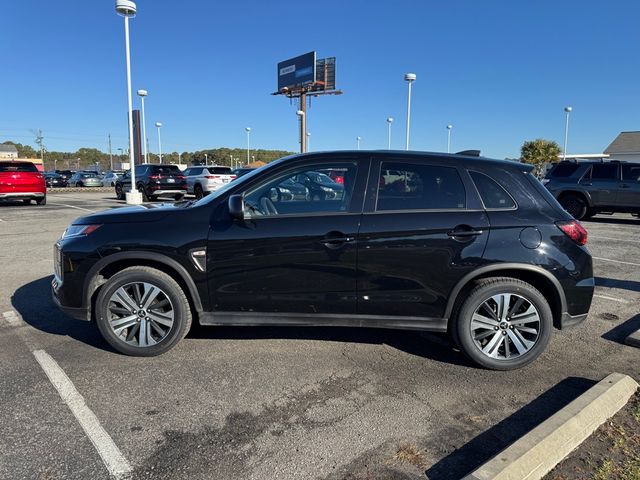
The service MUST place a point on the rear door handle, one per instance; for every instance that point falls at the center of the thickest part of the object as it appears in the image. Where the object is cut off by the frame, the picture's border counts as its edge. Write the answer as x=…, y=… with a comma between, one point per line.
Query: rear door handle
x=336, y=240
x=464, y=233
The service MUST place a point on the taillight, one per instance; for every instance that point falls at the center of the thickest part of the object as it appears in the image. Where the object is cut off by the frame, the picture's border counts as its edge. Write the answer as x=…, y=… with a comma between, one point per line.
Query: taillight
x=154, y=177
x=181, y=177
x=574, y=230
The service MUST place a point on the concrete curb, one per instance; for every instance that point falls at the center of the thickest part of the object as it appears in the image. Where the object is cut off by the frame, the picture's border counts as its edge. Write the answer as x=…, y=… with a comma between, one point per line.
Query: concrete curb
x=535, y=454
x=81, y=190
x=633, y=339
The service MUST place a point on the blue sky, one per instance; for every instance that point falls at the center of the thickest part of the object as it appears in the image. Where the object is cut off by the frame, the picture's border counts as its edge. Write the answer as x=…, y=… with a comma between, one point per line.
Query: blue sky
x=499, y=71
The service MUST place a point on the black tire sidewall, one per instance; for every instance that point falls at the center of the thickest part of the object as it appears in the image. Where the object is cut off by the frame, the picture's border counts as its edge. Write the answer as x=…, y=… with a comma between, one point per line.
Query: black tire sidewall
x=477, y=296
x=575, y=200
x=170, y=288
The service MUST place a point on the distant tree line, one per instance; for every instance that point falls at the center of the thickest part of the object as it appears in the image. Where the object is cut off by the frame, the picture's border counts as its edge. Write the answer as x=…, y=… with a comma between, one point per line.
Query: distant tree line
x=89, y=157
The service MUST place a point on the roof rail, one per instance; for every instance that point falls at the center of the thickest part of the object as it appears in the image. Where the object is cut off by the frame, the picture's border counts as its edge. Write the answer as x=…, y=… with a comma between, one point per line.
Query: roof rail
x=469, y=153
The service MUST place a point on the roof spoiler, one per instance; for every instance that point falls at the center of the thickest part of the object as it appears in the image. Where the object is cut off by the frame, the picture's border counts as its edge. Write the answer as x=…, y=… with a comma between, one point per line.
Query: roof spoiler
x=469, y=153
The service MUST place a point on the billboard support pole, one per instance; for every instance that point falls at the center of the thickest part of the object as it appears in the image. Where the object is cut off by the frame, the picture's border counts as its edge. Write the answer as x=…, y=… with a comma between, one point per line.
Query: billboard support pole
x=303, y=123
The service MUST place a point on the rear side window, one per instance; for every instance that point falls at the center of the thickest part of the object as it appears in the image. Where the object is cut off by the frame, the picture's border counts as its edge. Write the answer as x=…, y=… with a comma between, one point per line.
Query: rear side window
x=604, y=171
x=165, y=169
x=17, y=167
x=194, y=171
x=563, y=170
x=492, y=194
x=631, y=172
x=220, y=170
x=409, y=186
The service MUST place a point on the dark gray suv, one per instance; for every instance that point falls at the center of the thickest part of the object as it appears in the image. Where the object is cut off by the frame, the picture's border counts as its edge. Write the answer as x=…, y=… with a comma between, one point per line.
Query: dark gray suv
x=586, y=188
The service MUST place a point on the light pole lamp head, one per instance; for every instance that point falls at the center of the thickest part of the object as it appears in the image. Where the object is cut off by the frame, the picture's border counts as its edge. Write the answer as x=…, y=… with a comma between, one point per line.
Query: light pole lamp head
x=300, y=113
x=358, y=138
x=126, y=8
x=390, y=120
x=410, y=77
x=142, y=93
x=449, y=127
x=247, y=129
x=158, y=124
x=568, y=109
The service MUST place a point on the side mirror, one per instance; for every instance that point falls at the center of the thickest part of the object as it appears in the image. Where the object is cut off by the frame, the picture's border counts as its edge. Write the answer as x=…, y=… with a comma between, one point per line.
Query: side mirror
x=236, y=207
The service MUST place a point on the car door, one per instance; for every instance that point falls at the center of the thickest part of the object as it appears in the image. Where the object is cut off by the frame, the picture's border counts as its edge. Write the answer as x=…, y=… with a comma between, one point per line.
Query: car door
x=629, y=194
x=423, y=228
x=288, y=255
x=602, y=182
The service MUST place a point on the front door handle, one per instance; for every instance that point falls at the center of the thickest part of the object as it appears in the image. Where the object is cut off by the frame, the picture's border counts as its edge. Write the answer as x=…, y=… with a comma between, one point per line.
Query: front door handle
x=464, y=232
x=336, y=240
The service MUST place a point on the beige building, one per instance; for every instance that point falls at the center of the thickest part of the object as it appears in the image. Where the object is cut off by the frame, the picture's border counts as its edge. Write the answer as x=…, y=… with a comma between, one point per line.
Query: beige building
x=626, y=146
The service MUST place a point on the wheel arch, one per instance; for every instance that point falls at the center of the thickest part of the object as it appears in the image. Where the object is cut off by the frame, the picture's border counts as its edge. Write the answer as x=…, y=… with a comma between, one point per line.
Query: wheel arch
x=537, y=276
x=579, y=193
x=110, y=265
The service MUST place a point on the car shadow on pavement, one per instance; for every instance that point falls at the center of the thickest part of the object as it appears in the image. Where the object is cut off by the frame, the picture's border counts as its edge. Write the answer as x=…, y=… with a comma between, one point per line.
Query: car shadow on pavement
x=619, y=333
x=621, y=221
x=34, y=304
x=436, y=347
x=631, y=285
x=491, y=442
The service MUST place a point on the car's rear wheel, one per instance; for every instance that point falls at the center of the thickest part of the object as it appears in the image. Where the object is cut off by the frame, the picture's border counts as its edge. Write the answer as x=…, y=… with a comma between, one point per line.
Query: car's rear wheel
x=178, y=197
x=26, y=201
x=145, y=197
x=503, y=324
x=41, y=201
x=197, y=190
x=119, y=192
x=142, y=311
x=575, y=205
x=79, y=184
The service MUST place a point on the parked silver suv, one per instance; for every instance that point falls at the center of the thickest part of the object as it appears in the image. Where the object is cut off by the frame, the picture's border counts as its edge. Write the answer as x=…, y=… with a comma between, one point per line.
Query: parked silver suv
x=203, y=180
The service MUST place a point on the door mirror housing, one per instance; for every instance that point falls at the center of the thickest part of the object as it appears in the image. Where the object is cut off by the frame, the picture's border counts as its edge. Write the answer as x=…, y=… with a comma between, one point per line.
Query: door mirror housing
x=236, y=207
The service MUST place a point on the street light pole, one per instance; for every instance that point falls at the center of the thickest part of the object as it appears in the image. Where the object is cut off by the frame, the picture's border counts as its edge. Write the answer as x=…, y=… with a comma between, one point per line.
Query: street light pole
x=389, y=122
x=206, y=160
x=410, y=78
x=142, y=94
x=308, y=141
x=567, y=111
x=127, y=9
x=303, y=128
x=158, y=125
x=358, y=142
x=449, y=127
x=248, y=130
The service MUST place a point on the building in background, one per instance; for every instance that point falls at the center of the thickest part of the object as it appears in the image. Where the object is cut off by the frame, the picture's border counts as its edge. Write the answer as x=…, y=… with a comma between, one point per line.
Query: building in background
x=626, y=147
x=8, y=152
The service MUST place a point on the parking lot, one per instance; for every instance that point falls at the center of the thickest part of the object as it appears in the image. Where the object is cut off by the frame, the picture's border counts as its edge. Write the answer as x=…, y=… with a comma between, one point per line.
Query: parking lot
x=288, y=403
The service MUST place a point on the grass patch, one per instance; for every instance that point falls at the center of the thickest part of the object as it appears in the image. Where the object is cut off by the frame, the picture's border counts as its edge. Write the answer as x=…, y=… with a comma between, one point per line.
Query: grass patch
x=410, y=454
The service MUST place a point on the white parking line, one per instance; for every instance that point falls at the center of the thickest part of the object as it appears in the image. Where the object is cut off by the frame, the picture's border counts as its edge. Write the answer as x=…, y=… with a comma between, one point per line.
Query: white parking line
x=111, y=455
x=11, y=318
x=616, y=261
x=598, y=237
x=620, y=300
x=71, y=206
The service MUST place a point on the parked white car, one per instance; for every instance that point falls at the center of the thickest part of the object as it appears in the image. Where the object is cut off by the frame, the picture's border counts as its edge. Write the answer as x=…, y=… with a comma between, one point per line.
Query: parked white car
x=203, y=180
x=110, y=178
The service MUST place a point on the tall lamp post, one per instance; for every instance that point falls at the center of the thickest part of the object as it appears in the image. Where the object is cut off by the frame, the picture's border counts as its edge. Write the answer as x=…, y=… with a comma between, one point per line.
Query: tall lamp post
x=358, y=142
x=308, y=141
x=248, y=130
x=409, y=78
x=142, y=94
x=449, y=127
x=567, y=111
x=303, y=128
x=127, y=9
x=389, y=122
x=158, y=125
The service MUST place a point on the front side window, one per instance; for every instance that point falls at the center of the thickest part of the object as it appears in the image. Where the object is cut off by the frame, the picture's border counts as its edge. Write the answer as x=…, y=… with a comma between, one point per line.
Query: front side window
x=631, y=173
x=493, y=195
x=304, y=190
x=413, y=186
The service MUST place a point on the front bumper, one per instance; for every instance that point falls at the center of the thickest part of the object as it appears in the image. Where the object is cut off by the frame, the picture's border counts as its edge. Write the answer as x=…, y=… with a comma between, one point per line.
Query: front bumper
x=79, y=313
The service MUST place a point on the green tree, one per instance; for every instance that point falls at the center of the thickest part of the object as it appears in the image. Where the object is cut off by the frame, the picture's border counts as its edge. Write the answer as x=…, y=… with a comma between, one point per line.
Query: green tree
x=538, y=153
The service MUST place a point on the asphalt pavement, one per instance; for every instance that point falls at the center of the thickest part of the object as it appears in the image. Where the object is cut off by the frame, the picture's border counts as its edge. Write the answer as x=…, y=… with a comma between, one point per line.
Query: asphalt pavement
x=285, y=403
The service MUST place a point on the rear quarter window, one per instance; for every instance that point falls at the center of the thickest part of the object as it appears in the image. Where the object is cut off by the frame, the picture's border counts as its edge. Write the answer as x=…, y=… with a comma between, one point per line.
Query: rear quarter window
x=563, y=170
x=220, y=170
x=165, y=169
x=17, y=167
x=493, y=195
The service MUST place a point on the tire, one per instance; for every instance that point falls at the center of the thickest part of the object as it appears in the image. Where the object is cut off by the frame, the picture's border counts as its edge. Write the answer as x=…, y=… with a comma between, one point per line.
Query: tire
x=197, y=191
x=575, y=205
x=128, y=340
x=499, y=344
x=79, y=184
x=119, y=192
x=145, y=197
x=41, y=201
x=178, y=197
x=26, y=201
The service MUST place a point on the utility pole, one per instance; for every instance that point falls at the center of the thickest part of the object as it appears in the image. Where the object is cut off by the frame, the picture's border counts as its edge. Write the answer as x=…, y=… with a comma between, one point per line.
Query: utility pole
x=110, y=154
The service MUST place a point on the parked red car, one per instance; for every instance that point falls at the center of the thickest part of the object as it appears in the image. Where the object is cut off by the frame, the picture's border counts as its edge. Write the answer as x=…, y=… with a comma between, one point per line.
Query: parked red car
x=22, y=181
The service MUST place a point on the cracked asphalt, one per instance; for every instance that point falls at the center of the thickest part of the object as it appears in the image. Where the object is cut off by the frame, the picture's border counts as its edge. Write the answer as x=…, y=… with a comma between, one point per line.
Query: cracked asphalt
x=282, y=403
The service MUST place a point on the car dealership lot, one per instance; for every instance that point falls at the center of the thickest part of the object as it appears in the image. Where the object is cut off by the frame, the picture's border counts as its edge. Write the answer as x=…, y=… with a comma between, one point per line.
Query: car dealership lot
x=280, y=402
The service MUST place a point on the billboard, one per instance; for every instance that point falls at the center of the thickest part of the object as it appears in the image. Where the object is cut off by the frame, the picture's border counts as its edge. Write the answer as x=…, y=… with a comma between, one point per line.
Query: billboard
x=326, y=74
x=297, y=72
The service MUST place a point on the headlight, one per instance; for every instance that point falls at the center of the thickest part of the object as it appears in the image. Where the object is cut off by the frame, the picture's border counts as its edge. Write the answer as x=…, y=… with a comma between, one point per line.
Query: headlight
x=327, y=189
x=79, y=230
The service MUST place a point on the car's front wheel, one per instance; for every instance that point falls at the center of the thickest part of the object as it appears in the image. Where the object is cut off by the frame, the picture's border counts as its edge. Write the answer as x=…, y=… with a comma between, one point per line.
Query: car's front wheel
x=198, y=192
x=142, y=311
x=503, y=324
x=119, y=192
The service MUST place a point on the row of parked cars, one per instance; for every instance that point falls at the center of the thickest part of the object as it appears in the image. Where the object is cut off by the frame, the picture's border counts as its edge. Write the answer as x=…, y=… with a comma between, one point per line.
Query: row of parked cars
x=84, y=178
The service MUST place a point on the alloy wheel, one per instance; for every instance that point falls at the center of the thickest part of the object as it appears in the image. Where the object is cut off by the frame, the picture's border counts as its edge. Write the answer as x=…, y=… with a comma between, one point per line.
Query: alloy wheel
x=505, y=326
x=140, y=314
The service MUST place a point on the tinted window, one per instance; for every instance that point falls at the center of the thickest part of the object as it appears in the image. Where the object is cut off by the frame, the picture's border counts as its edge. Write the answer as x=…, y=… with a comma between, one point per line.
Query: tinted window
x=194, y=171
x=165, y=169
x=302, y=191
x=631, y=172
x=604, y=171
x=17, y=167
x=407, y=186
x=140, y=169
x=220, y=170
x=492, y=194
x=564, y=169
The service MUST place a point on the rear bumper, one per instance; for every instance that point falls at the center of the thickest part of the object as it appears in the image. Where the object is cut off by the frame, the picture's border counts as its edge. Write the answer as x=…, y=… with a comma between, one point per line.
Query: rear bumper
x=21, y=195
x=168, y=192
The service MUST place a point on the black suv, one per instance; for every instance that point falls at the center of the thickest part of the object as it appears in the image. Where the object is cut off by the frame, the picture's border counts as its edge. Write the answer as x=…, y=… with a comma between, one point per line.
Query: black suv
x=153, y=181
x=447, y=243
x=587, y=188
